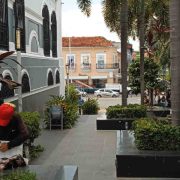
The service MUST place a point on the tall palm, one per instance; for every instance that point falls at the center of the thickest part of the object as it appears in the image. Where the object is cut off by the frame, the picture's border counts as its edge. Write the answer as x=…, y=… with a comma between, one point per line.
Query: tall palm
x=124, y=32
x=111, y=11
x=175, y=60
x=142, y=36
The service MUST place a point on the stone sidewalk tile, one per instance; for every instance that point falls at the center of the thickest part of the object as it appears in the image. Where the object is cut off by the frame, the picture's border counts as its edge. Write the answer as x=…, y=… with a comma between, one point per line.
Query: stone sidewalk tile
x=93, y=151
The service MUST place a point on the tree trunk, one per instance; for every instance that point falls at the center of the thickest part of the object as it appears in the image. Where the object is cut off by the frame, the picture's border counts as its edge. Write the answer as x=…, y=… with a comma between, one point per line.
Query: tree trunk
x=124, y=31
x=175, y=60
x=141, y=37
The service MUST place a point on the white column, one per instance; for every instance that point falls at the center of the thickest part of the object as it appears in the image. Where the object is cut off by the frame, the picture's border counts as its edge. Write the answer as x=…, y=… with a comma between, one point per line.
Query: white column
x=19, y=81
x=59, y=46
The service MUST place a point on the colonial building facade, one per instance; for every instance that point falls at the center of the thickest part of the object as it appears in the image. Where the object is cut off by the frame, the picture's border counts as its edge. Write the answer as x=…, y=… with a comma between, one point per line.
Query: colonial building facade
x=42, y=72
x=92, y=60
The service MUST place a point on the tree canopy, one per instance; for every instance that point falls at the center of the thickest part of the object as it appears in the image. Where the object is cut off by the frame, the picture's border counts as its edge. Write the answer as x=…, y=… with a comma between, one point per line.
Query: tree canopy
x=151, y=70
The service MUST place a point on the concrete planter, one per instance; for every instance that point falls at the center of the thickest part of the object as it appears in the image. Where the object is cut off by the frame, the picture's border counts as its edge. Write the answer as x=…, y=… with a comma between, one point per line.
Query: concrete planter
x=131, y=162
x=102, y=123
x=159, y=111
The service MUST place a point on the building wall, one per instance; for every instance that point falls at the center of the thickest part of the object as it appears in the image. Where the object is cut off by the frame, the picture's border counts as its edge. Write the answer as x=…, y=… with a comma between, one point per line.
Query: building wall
x=34, y=63
x=37, y=101
x=92, y=73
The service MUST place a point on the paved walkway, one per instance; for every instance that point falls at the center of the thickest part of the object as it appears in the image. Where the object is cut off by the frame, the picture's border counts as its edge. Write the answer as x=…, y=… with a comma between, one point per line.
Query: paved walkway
x=91, y=150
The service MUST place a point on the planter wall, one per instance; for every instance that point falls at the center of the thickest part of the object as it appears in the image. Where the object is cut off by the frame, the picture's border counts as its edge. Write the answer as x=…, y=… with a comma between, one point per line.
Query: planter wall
x=131, y=162
x=161, y=112
x=114, y=124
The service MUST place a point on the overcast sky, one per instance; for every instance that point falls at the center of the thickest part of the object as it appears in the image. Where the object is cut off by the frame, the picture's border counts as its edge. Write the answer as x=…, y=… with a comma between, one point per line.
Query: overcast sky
x=75, y=23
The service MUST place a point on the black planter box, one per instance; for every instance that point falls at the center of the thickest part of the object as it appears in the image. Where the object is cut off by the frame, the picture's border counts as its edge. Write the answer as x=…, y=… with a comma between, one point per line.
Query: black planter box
x=114, y=124
x=131, y=162
x=160, y=112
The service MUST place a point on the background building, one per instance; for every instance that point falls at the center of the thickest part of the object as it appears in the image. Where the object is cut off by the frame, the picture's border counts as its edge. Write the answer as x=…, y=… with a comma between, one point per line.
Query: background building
x=92, y=60
x=43, y=70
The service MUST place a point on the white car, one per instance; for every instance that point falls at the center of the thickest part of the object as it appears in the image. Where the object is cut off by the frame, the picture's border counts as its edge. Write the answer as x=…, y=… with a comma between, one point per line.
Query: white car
x=81, y=93
x=105, y=93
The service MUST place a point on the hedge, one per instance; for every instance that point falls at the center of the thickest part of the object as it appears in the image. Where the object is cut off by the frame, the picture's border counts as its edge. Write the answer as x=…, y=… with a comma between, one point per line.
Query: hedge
x=129, y=111
x=154, y=135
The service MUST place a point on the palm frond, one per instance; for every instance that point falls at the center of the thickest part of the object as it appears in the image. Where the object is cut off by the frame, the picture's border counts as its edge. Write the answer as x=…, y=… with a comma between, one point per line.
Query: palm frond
x=11, y=84
x=85, y=6
x=6, y=54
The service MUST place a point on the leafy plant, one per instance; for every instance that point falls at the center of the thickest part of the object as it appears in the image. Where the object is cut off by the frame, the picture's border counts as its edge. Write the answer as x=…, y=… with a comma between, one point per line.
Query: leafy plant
x=90, y=106
x=20, y=175
x=69, y=104
x=35, y=151
x=151, y=70
x=32, y=120
x=151, y=134
x=129, y=111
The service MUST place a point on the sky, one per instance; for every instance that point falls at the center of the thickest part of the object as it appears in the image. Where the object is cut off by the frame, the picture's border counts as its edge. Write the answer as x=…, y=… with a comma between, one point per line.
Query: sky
x=75, y=23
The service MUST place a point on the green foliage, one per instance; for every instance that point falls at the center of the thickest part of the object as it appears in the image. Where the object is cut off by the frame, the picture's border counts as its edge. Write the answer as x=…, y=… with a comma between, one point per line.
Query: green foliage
x=32, y=120
x=85, y=6
x=90, y=106
x=151, y=134
x=35, y=151
x=69, y=105
x=129, y=111
x=20, y=175
x=151, y=70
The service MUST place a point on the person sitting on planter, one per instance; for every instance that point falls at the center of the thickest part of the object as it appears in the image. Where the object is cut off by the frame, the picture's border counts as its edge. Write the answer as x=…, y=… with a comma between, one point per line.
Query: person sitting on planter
x=13, y=132
x=163, y=102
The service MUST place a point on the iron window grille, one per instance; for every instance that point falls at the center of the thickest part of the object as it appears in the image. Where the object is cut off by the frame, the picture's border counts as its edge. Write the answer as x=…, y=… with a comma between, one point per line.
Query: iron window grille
x=54, y=34
x=25, y=84
x=19, y=13
x=4, y=32
x=46, y=34
x=57, y=77
x=50, y=79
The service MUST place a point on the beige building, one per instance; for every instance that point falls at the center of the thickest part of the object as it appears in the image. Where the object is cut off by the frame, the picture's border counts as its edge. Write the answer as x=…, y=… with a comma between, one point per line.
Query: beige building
x=91, y=60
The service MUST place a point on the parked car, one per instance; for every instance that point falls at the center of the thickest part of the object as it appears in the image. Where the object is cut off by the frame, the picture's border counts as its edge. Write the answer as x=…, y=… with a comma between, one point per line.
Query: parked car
x=105, y=93
x=81, y=93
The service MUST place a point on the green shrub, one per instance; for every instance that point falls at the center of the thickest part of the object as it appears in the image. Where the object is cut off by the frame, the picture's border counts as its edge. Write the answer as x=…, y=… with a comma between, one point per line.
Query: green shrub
x=151, y=134
x=90, y=106
x=69, y=105
x=35, y=151
x=129, y=111
x=32, y=120
x=20, y=175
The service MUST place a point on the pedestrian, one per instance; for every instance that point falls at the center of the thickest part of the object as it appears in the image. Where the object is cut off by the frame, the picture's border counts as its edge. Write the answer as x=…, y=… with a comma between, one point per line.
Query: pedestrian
x=80, y=103
x=13, y=132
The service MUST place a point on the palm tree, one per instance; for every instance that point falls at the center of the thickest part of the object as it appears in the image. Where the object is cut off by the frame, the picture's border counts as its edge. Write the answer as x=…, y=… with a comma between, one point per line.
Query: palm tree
x=142, y=36
x=110, y=7
x=11, y=84
x=124, y=32
x=175, y=60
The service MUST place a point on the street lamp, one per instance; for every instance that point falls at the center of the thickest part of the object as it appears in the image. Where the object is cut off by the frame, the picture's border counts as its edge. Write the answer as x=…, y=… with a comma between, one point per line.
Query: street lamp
x=67, y=73
x=18, y=48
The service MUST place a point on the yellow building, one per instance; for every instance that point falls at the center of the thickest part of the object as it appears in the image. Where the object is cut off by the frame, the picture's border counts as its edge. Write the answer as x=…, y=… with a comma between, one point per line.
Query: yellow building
x=91, y=60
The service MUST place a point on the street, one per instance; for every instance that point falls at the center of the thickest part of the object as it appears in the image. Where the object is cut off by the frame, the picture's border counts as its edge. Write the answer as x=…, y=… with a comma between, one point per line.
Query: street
x=105, y=102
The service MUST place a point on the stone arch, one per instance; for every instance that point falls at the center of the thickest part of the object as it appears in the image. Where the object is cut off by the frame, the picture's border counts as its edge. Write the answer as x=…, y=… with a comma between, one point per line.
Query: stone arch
x=6, y=92
x=25, y=81
x=50, y=80
x=34, y=36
